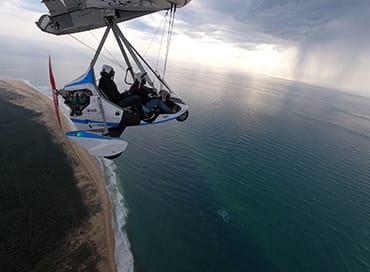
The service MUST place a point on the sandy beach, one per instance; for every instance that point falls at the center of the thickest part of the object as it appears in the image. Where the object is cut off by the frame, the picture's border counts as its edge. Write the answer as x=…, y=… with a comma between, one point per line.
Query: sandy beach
x=97, y=230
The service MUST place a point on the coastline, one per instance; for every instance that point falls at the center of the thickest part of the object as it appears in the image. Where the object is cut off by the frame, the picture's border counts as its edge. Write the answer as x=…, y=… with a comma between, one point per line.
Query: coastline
x=98, y=228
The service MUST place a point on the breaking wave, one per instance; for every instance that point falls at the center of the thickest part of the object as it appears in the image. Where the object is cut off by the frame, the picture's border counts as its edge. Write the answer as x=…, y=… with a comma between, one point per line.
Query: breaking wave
x=123, y=255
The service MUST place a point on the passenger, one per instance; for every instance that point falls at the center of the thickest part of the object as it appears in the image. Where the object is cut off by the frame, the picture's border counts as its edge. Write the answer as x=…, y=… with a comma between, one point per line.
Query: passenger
x=148, y=96
x=109, y=87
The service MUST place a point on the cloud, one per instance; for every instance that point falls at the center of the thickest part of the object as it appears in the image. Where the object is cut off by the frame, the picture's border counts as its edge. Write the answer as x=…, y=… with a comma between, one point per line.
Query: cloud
x=266, y=21
x=251, y=23
x=329, y=37
x=10, y=6
x=336, y=51
x=320, y=40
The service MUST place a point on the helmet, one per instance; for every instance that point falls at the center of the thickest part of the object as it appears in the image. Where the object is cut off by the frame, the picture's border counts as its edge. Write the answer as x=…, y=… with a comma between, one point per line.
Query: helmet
x=107, y=69
x=140, y=77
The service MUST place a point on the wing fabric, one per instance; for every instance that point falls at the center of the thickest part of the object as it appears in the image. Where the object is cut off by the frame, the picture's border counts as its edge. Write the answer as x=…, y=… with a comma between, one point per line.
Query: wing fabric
x=71, y=16
x=55, y=7
x=73, y=3
x=135, y=5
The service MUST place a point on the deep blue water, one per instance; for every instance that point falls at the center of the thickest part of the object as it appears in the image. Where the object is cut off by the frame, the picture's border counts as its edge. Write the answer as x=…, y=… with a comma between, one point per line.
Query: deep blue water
x=265, y=175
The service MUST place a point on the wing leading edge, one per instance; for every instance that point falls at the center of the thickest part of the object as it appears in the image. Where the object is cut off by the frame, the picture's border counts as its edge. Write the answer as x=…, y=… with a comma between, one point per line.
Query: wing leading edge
x=71, y=16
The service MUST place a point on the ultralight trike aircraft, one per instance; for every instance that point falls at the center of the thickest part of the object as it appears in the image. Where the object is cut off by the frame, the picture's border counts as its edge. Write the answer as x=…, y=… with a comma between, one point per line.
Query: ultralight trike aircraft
x=91, y=111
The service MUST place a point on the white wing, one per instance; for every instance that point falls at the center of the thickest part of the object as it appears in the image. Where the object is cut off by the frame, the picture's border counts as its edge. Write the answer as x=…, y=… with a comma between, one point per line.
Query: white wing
x=70, y=16
x=135, y=5
x=57, y=7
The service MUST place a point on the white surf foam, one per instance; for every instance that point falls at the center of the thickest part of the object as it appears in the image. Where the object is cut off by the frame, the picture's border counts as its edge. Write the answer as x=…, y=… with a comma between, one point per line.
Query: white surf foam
x=42, y=89
x=123, y=255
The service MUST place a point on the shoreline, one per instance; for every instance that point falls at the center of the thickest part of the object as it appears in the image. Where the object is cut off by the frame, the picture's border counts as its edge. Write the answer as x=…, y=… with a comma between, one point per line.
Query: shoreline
x=98, y=228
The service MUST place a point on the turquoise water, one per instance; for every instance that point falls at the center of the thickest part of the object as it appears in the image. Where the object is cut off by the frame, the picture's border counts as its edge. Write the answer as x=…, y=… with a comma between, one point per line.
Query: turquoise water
x=265, y=175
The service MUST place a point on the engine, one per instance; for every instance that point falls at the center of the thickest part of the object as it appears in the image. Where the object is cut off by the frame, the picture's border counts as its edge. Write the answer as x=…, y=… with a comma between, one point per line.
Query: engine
x=77, y=100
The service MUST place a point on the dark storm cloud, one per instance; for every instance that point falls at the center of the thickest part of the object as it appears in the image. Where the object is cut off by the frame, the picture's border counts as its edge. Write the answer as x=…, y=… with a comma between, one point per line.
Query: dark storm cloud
x=330, y=37
x=273, y=21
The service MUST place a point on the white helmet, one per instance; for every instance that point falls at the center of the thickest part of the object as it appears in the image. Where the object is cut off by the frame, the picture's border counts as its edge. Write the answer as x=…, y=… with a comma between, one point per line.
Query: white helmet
x=140, y=76
x=107, y=69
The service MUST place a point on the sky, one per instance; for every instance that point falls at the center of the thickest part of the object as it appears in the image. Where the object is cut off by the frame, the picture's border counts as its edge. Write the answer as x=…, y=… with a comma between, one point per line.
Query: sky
x=324, y=42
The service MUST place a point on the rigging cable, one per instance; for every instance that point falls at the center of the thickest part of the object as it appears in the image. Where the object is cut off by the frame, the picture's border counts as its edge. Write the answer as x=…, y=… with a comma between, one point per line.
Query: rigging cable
x=169, y=36
x=160, y=47
x=110, y=54
x=94, y=50
x=171, y=21
x=156, y=32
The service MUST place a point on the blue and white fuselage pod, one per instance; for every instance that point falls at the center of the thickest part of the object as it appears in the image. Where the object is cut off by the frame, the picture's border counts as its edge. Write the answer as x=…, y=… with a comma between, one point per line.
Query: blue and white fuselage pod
x=93, y=114
x=97, y=145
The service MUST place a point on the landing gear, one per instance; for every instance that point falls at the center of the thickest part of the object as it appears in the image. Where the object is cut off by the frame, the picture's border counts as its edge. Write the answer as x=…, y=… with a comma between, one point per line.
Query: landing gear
x=113, y=157
x=183, y=117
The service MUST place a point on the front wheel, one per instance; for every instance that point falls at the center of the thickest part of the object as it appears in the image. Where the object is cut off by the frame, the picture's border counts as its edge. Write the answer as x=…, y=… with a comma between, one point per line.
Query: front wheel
x=183, y=117
x=113, y=156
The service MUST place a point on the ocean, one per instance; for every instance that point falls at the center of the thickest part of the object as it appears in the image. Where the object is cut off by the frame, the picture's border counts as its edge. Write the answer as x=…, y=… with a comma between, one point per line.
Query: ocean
x=265, y=175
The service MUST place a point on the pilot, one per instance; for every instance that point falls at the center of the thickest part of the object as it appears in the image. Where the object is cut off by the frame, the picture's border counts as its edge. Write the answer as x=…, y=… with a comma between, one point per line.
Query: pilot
x=109, y=87
x=148, y=96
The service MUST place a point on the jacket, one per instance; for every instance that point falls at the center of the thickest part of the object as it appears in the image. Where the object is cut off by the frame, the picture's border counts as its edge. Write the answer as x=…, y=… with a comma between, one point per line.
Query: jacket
x=109, y=87
x=143, y=92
